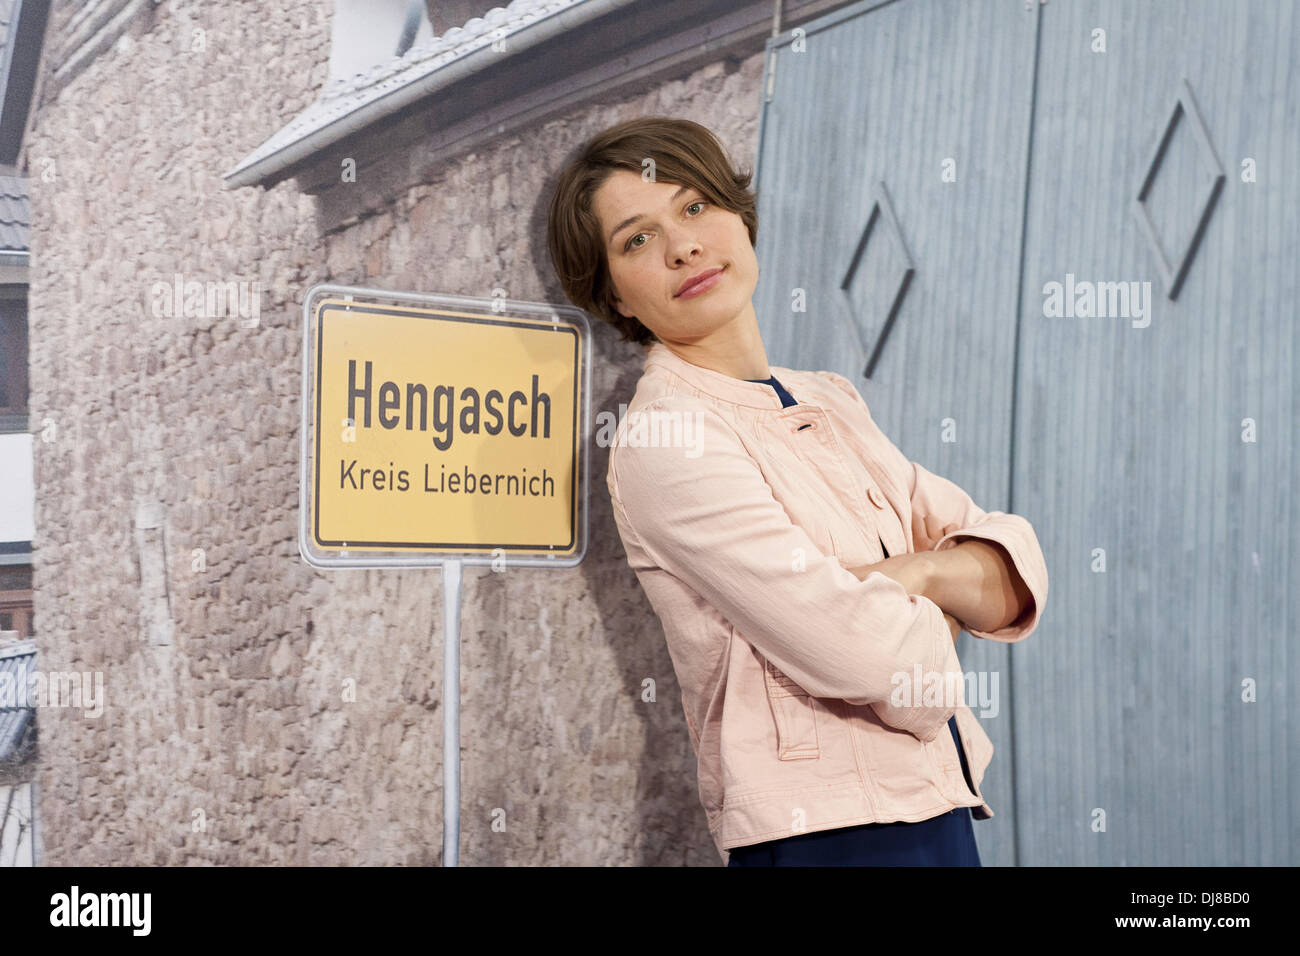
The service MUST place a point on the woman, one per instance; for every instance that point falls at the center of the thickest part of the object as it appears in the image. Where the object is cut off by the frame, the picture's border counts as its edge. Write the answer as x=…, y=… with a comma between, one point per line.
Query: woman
x=811, y=581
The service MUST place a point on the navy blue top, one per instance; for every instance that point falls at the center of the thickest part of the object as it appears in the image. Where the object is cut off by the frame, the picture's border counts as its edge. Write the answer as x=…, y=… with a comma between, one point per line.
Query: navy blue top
x=786, y=398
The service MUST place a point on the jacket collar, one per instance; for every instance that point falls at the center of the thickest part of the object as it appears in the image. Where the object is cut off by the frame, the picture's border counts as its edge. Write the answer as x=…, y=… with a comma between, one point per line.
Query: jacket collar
x=738, y=391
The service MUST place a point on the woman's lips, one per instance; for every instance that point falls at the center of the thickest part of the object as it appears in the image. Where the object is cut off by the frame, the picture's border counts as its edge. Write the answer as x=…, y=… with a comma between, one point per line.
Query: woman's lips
x=704, y=285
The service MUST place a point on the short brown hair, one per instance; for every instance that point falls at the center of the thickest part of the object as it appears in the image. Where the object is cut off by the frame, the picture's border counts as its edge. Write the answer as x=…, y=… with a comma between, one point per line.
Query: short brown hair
x=683, y=152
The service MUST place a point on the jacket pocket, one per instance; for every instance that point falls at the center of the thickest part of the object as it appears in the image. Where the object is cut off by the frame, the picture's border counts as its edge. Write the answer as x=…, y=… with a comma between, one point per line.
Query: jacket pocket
x=795, y=716
x=943, y=751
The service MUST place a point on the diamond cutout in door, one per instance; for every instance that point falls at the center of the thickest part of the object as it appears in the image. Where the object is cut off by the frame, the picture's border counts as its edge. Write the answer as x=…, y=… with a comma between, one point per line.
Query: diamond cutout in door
x=1172, y=273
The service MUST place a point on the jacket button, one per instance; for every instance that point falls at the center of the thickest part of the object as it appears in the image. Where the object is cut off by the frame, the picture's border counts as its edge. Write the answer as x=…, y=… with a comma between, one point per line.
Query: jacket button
x=876, y=497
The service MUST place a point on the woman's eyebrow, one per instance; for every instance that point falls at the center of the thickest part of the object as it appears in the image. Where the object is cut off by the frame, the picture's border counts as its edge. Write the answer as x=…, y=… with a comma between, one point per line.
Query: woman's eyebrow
x=637, y=218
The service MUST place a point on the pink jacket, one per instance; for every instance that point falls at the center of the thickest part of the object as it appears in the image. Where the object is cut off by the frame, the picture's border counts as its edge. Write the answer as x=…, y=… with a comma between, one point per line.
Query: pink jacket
x=740, y=518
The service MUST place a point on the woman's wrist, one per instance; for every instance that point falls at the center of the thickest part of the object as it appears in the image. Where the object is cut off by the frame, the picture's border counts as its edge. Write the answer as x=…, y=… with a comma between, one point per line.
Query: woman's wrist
x=948, y=581
x=929, y=575
x=973, y=581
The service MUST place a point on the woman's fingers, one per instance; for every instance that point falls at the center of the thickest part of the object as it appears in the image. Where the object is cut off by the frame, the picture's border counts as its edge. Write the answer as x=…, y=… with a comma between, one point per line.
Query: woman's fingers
x=934, y=529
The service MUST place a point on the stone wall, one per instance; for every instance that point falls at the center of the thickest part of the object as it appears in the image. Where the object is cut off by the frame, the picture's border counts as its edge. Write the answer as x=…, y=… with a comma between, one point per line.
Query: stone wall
x=167, y=459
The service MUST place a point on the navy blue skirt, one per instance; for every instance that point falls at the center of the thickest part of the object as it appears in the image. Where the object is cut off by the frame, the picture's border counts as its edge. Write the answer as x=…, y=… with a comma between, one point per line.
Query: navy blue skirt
x=945, y=840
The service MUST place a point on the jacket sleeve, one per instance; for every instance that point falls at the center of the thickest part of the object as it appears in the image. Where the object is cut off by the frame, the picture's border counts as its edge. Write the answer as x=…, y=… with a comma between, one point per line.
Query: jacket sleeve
x=937, y=497
x=712, y=522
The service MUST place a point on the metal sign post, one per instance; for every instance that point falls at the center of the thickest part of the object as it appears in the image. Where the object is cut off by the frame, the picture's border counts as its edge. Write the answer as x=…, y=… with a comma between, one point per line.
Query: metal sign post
x=442, y=430
x=451, y=712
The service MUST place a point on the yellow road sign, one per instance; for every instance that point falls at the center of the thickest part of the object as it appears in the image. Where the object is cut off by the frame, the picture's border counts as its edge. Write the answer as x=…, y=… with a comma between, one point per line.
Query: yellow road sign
x=443, y=430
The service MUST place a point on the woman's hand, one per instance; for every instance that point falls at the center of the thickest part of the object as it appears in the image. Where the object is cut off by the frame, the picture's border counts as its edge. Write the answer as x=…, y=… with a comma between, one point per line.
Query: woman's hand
x=934, y=529
x=912, y=571
x=915, y=573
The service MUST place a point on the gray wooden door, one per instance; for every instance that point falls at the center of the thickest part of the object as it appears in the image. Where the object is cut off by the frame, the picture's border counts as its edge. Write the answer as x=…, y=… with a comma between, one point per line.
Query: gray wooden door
x=927, y=169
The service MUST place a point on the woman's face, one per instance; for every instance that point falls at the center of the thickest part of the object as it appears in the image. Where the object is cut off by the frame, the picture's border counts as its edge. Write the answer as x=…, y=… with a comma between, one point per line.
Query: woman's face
x=677, y=234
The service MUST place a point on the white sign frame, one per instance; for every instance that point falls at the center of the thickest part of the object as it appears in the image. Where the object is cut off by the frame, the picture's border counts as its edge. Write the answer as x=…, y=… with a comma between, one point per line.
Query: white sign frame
x=375, y=558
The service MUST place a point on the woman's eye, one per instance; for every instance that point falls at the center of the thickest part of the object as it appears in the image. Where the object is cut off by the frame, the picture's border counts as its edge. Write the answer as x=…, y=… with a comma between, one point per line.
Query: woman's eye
x=628, y=245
